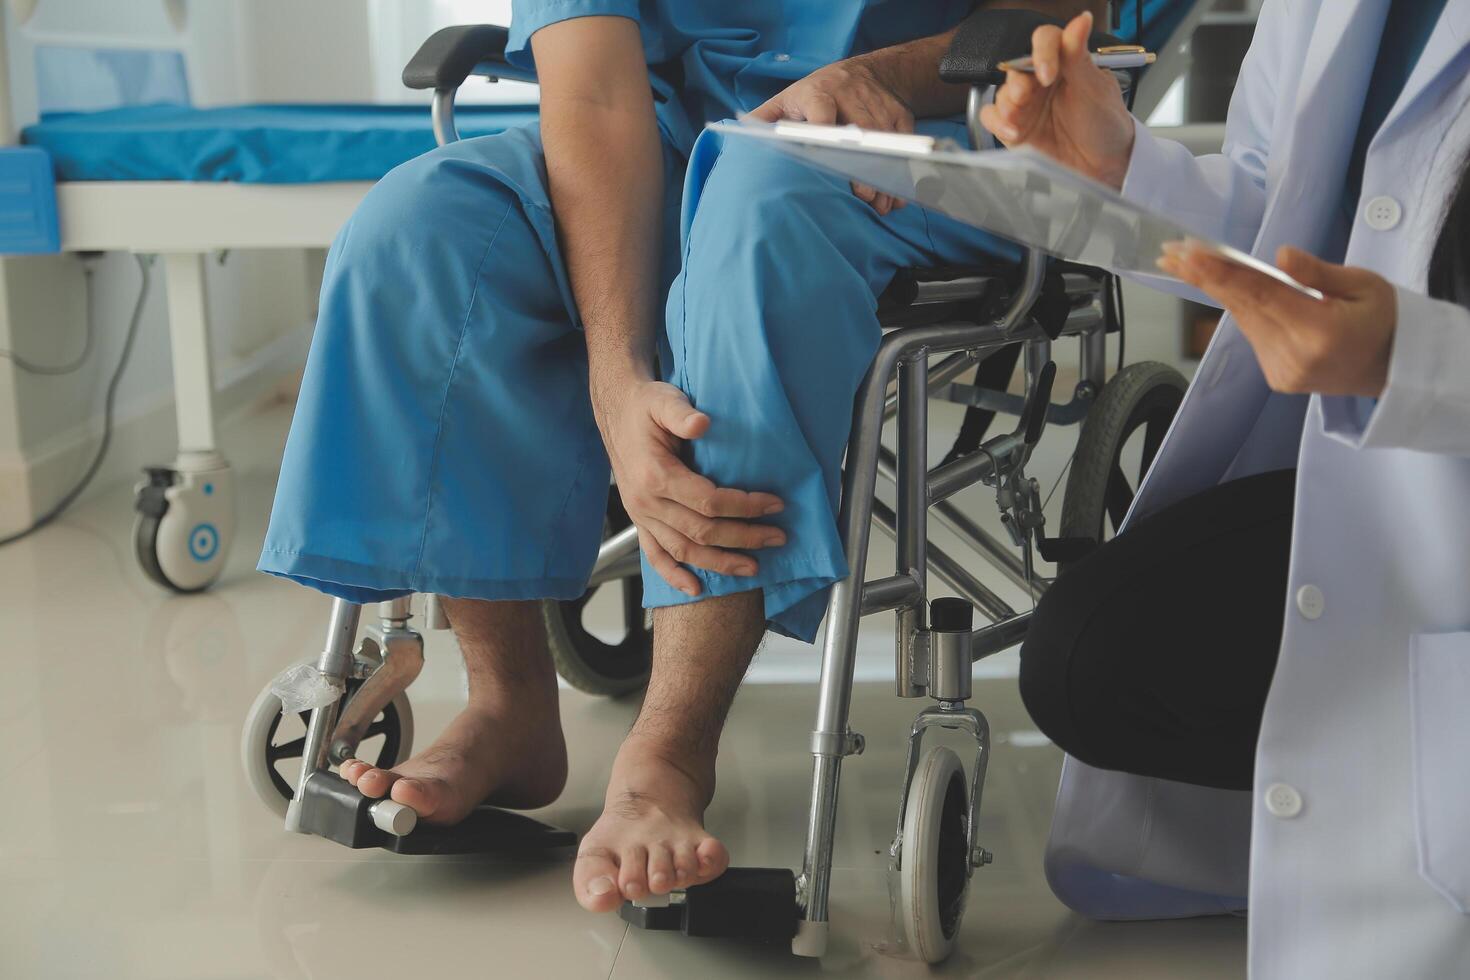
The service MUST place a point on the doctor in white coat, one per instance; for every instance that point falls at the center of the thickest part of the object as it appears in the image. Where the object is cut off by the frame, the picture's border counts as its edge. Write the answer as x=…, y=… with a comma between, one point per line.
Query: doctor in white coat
x=1352, y=850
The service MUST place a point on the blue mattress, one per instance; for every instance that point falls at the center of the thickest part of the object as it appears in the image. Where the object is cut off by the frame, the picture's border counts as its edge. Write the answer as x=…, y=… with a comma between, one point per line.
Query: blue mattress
x=260, y=144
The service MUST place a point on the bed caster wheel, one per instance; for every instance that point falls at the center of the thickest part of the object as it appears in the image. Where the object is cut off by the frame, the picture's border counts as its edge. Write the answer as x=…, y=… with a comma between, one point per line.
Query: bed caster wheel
x=185, y=522
x=934, y=859
x=271, y=744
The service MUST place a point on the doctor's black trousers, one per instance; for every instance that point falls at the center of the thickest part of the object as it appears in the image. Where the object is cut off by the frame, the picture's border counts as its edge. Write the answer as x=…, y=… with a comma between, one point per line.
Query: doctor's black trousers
x=1153, y=654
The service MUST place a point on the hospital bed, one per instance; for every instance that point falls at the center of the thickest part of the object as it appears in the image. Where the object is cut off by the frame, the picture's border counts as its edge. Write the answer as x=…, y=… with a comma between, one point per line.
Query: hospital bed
x=184, y=183
x=946, y=331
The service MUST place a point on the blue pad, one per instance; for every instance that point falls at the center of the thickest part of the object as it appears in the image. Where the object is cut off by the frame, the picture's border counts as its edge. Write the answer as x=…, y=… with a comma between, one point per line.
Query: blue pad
x=27, y=202
x=259, y=144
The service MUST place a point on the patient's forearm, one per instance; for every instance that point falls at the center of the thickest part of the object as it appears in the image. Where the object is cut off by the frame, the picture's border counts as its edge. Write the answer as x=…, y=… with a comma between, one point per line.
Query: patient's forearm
x=606, y=176
x=605, y=171
x=912, y=69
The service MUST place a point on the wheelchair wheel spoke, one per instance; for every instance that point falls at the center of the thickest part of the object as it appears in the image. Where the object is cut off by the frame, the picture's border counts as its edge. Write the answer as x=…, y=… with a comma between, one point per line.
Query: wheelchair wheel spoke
x=1153, y=438
x=632, y=607
x=286, y=750
x=1119, y=496
x=379, y=727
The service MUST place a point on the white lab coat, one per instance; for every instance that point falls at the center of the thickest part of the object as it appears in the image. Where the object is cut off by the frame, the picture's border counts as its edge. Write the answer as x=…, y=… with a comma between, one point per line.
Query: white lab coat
x=1357, y=834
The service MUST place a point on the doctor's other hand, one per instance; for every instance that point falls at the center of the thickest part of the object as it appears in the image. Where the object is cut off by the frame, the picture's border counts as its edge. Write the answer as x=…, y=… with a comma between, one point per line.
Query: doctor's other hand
x=1069, y=108
x=1340, y=345
x=681, y=516
x=848, y=92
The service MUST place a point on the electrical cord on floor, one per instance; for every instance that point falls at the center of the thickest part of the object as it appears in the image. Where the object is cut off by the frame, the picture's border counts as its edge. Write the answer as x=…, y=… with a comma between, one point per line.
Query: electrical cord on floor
x=46, y=370
x=71, y=495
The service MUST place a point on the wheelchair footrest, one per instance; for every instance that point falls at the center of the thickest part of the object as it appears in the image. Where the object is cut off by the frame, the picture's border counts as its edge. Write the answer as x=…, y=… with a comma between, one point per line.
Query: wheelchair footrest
x=334, y=809
x=753, y=904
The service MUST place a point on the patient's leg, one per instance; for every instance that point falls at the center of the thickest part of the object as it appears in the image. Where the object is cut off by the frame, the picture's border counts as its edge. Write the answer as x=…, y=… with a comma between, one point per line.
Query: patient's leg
x=651, y=835
x=506, y=746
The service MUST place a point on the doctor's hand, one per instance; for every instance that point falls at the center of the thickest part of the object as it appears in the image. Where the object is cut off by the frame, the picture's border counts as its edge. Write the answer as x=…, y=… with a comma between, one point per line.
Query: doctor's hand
x=1337, y=346
x=681, y=517
x=1069, y=109
x=849, y=92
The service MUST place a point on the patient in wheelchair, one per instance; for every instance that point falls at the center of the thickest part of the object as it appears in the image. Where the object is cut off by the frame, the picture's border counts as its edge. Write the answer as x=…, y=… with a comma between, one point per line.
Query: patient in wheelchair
x=493, y=321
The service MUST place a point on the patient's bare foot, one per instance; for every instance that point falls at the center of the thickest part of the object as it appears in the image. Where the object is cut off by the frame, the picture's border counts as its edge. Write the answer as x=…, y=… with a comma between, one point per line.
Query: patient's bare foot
x=507, y=756
x=651, y=836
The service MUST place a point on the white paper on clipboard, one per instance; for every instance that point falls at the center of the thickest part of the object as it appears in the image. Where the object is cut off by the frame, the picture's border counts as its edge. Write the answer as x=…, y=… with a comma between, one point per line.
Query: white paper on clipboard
x=1017, y=194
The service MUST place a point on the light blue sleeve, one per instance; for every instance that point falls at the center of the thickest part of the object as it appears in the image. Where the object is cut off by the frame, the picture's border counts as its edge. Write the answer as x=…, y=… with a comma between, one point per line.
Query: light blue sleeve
x=529, y=16
x=1221, y=196
x=1426, y=405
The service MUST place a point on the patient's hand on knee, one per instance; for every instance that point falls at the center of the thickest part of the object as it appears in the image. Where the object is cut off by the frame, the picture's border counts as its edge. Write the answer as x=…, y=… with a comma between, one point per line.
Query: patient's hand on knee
x=681, y=516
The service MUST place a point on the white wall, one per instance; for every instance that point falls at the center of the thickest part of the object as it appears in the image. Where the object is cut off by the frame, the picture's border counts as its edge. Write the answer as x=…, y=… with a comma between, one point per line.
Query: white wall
x=294, y=51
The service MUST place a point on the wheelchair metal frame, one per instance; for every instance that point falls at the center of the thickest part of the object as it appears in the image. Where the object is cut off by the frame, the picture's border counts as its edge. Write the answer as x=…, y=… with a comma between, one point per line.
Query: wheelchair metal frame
x=918, y=362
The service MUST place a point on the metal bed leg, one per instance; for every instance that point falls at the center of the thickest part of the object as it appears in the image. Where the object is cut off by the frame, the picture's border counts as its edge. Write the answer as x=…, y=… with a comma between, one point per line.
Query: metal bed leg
x=188, y=321
x=186, y=511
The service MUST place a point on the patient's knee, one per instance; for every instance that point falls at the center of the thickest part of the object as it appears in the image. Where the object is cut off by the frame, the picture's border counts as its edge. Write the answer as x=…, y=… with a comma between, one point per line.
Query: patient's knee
x=431, y=211
x=760, y=201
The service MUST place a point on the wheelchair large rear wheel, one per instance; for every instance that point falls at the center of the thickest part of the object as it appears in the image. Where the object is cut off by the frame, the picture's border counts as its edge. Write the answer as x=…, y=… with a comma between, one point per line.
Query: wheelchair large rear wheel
x=617, y=658
x=1120, y=438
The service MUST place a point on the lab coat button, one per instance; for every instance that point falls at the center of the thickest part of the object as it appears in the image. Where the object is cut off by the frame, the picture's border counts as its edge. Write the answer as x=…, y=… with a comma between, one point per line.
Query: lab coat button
x=1383, y=214
x=1310, y=602
x=1283, y=801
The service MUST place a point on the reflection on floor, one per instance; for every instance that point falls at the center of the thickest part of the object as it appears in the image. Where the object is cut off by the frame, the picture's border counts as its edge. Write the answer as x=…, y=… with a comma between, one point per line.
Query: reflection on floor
x=130, y=845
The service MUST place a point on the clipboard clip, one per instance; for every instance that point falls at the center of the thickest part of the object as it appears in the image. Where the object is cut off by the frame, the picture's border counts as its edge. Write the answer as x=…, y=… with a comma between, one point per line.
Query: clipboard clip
x=867, y=139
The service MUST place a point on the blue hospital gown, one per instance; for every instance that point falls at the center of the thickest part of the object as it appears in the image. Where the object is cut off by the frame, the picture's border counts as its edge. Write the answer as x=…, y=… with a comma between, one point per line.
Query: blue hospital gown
x=444, y=441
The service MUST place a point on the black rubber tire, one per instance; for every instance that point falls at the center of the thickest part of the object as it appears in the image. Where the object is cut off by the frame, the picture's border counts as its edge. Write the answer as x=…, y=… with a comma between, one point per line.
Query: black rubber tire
x=586, y=662
x=1143, y=396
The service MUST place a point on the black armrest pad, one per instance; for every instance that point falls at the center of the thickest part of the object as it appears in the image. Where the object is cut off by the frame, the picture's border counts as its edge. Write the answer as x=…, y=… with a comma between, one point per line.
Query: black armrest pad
x=988, y=37
x=450, y=55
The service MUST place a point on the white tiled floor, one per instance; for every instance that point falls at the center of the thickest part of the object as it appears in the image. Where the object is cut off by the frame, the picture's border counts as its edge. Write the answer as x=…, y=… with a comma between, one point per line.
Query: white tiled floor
x=131, y=846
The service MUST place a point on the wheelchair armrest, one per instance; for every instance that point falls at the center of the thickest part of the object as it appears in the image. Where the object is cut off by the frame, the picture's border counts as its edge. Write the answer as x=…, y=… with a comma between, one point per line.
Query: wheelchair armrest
x=453, y=54
x=988, y=37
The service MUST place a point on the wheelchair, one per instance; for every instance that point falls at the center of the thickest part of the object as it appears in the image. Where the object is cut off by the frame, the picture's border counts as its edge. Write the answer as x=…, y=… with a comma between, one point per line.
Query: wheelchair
x=941, y=327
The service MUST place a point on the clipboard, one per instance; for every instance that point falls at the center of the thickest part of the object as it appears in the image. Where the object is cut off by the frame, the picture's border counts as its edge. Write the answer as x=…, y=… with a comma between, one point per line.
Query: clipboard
x=1017, y=194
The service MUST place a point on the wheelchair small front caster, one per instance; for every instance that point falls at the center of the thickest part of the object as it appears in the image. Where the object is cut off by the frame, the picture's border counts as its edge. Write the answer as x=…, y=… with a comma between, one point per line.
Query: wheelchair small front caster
x=185, y=522
x=271, y=744
x=934, y=859
x=936, y=849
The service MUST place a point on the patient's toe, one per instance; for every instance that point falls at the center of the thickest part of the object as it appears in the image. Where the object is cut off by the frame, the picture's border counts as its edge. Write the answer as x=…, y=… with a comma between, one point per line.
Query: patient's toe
x=353, y=769
x=376, y=782
x=595, y=880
